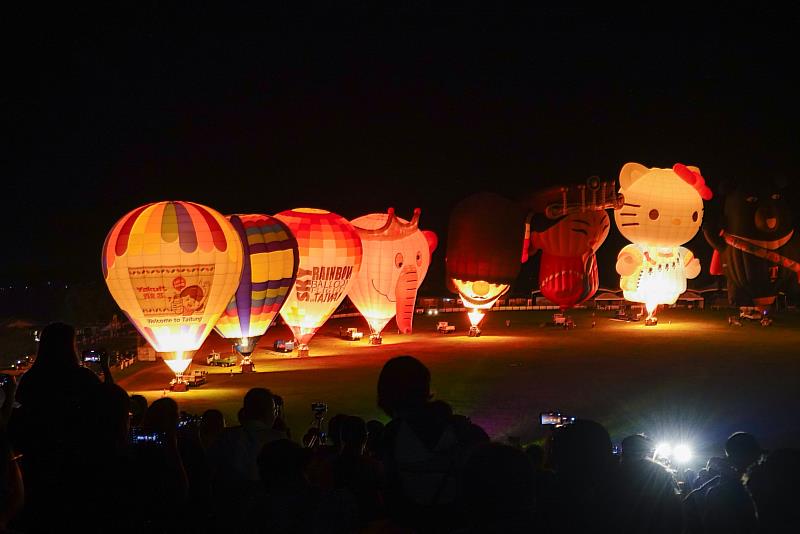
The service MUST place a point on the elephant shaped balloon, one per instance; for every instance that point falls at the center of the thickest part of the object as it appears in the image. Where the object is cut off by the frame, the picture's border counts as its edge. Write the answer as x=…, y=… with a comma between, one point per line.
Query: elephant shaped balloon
x=396, y=256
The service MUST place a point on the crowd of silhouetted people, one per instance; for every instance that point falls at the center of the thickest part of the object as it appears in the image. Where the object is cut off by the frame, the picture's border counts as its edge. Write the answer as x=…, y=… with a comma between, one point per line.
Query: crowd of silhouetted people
x=81, y=455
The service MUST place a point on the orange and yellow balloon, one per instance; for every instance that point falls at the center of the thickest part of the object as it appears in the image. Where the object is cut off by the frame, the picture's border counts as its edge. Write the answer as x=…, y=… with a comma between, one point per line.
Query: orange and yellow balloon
x=330, y=257
x=172, y=267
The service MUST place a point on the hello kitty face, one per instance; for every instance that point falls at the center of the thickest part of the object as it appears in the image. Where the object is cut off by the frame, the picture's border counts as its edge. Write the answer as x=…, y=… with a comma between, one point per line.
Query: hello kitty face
x=662, y=208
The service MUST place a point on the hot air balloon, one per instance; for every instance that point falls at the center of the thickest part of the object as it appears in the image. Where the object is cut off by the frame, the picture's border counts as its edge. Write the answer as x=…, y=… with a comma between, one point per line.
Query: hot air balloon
x=663, y=209
x=755, y=246
x=172, y=267
x=270, y=267
x=330, y=257
x=568, y=225
x=484, y=244
x=396, y=258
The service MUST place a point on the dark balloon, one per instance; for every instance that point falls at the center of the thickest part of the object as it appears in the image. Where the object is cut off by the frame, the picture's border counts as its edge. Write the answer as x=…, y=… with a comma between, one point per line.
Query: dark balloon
x=485, y=240
x=752, y=232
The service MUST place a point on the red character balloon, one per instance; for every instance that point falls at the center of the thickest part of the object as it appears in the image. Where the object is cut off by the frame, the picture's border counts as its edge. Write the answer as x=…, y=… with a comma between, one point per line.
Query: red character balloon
x=568, y=225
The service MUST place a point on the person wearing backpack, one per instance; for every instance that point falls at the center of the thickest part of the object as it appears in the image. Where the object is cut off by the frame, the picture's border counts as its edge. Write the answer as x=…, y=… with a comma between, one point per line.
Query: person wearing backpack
x=423, y=449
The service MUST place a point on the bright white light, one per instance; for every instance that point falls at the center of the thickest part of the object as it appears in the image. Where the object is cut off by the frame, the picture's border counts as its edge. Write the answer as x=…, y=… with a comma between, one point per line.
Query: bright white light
x=663, y=450
x=179, y=365
x=475, y=317
x=682, y=453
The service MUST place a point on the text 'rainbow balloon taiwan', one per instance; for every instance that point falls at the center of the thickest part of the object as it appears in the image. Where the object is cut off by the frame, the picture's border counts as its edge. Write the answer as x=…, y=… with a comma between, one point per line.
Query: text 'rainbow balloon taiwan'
x=484, y=248
x=663, y=209
x=568, y=225
x=330, y=257
x=172, y=267
x=396, y=259
x=270, y=266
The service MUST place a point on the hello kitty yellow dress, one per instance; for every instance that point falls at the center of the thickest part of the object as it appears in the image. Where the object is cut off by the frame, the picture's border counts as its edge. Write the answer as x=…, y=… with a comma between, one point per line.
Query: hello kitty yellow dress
x=663, y=209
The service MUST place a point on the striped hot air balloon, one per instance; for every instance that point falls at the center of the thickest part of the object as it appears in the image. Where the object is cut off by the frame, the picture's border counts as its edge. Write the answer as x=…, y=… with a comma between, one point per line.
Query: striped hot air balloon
x=270, y=267
x=173, y=267
x=330, y=257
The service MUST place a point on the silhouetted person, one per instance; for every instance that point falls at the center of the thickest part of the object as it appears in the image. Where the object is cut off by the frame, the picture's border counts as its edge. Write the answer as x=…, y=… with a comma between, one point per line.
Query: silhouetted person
x=722, y=503
x=53, y=398
x=212, y=424
x=160, y=478
x=773, y=484
x=647, y=498
x=11, y=488
x=424, y=447
x=138, y=409
x=356, y=472
x=581, y=456
x=233, y=456
x=290, y=503
x=498, y=490
x=374, y=437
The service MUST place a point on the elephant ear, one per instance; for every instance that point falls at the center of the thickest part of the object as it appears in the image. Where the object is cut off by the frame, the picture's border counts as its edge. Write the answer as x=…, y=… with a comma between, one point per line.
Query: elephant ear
x=630, y=173
x=432, y=240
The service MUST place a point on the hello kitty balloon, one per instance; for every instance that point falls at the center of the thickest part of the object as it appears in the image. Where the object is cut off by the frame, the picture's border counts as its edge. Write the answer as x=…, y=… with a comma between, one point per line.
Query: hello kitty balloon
x=663, y=209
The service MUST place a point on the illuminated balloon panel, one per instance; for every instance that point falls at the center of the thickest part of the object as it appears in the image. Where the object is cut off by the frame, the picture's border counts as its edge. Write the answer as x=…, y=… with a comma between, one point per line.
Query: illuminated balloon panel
x=663, y=209
x=330, y=258
x=396, y=259
x=172, y=267
x=569, y=224
x=484, y=244
x=270, y=267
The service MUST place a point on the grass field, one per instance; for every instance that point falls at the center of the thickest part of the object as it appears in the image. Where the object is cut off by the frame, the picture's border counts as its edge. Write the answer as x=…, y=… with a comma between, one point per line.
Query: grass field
x=692, y=377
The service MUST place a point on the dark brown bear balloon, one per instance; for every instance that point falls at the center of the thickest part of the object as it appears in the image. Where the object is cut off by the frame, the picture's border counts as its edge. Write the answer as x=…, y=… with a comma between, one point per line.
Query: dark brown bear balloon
x=751, y=229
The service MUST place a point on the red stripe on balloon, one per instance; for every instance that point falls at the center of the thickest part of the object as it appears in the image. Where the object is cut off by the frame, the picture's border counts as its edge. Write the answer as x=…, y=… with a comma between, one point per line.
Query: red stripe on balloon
x=216, y=230
x=124, y=233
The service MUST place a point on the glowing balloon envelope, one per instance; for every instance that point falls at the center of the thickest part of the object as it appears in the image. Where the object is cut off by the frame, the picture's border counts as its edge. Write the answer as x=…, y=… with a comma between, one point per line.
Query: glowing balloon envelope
x=270, y=267
x=663, y=209
x=396, y=259
x=330, y=258
x=172, y=267
x=484, y=243
x=568, y=225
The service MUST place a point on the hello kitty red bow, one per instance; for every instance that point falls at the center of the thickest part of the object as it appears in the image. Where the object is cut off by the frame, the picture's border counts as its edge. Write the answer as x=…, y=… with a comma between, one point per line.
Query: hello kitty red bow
x=695, y=179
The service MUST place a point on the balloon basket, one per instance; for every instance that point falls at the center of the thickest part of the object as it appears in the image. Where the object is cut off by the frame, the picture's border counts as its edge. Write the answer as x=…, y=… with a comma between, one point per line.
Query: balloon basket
x=651, y=321
x=302, y=353
x=248, y=368
x=375, y=339
x=474, y=331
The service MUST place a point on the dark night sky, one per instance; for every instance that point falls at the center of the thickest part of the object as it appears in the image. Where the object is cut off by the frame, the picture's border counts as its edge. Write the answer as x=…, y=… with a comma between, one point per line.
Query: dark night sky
x=360, y=109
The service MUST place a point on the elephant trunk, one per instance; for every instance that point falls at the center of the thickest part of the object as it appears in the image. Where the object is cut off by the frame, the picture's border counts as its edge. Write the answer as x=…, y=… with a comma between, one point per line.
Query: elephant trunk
x=406, y=298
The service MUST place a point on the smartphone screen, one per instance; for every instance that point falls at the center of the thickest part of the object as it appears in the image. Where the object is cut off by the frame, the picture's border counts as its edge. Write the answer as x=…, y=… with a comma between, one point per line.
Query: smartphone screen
x=138, y=437
x=550, y=418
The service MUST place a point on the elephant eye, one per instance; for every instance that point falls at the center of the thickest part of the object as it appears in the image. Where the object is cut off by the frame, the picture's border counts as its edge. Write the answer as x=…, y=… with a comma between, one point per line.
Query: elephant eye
x=419, y=259
x=398, y=260
x=776, y=196
x=752, y=199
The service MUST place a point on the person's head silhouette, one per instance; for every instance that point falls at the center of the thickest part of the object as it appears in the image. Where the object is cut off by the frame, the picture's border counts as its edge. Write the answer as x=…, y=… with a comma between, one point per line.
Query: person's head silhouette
x=404, y=386
x=56, y=347
x=742, y=450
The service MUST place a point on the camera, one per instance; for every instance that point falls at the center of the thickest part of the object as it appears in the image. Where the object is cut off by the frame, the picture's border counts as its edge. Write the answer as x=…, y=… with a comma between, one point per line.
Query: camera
x=555, y=419
x=319, y=409
x=92, y=355
x=139, y=437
